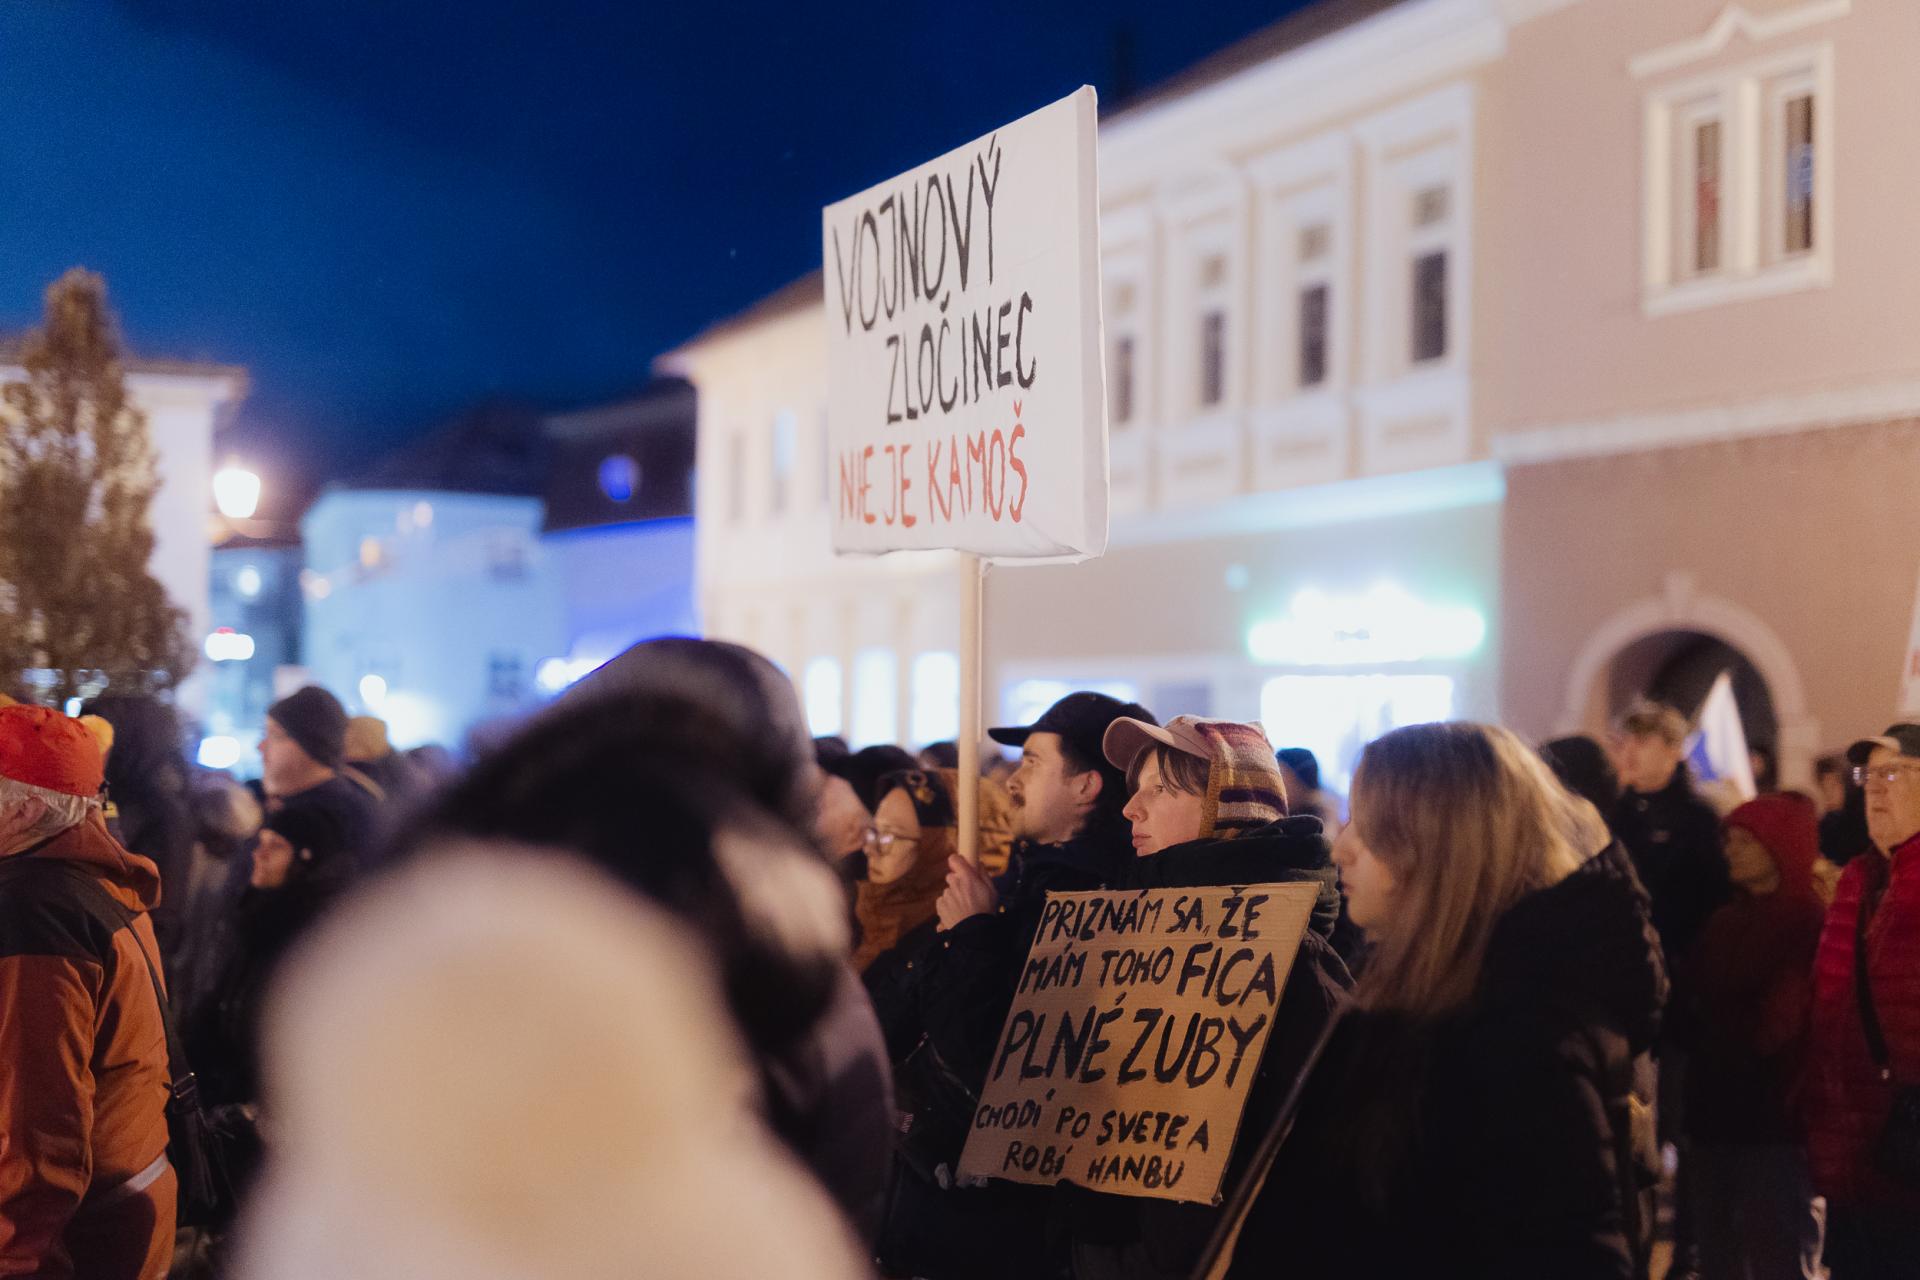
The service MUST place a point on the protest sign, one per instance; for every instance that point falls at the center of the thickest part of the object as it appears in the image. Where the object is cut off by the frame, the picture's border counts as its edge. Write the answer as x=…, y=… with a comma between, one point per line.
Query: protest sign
x=966, y=395
x=1135, y=1035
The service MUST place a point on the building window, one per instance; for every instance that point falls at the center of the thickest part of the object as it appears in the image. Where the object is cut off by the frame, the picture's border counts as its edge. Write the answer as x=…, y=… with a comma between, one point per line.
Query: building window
x=1432, y=216
x=820, y=686
x=1122, y=380
x=1739, y=188
x=936, y=698
x=876, y=696
x=1314, y=305
x=786, y=444
x=1210, y=387
x=506, y=558
x=1704, y=175
x=1213, y=357
x=619, y=477
x=506, y=676
x=1797, y=161
x=1430, y=306
x=1314, y=301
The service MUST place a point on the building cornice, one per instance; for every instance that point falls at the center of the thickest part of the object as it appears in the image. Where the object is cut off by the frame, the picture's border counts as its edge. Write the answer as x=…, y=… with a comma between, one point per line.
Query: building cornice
x=1777, y=415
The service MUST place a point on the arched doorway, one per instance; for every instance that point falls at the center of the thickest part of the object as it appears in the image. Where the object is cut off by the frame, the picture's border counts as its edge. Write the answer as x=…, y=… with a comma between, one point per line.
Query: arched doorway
x=1678, y=641
x=1679, y=667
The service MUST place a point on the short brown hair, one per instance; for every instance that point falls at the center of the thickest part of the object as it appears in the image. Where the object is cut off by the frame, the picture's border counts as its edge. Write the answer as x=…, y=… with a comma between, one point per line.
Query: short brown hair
x=1647, y=719
x=1183, y=772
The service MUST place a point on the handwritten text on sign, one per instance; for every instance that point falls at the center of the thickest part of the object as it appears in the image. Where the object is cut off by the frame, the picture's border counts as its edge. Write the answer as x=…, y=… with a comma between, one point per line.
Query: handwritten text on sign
x=963, y=311
x=1134, y=1037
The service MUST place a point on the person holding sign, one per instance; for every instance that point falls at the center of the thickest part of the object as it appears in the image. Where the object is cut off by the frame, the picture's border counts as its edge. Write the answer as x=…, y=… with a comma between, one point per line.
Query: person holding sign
x=1207, y=807
x=1474, y=1115
x=942, y=1023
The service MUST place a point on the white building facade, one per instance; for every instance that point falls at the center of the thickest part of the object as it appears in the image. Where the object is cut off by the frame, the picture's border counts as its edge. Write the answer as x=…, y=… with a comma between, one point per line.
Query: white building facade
x=1362, y=273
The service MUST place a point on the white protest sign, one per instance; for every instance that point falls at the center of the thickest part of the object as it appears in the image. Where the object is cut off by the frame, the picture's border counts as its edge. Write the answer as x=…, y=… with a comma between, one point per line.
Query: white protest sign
x=967, y=401
x=1135, y=1036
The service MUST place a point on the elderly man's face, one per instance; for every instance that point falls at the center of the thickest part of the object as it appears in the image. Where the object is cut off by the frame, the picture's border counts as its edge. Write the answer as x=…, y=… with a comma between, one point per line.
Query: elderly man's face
x=19, y=823
x=1893, y=798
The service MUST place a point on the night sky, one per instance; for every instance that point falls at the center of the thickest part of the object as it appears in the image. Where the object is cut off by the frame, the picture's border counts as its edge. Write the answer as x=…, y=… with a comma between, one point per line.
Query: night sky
x=390, y=210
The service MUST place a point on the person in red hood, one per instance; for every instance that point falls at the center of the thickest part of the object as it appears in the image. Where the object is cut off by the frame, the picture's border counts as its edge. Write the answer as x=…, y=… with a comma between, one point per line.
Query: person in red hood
x=86, y=1191
x=1750, y=990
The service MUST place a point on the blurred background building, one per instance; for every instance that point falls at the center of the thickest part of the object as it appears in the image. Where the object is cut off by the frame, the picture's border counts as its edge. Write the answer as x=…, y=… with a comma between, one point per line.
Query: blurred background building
x=1491, y=358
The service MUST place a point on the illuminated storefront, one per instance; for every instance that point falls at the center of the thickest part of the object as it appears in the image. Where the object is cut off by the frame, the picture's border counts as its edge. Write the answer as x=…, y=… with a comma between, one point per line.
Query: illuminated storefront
x=1329, y=633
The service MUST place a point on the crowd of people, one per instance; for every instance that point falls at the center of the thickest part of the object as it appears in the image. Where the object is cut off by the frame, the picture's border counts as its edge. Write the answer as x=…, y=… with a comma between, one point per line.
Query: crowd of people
x=659, y=984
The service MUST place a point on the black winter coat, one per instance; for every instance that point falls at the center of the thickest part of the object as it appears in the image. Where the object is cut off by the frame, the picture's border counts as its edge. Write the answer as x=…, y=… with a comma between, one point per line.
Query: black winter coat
x=942, y=998
x=968, y=975
x=1131, y=1238
x=1493, y=1143
x=1673, y=838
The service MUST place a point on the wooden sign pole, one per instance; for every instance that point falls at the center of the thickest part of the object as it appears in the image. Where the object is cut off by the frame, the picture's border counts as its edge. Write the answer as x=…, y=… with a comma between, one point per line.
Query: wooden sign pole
x=972, y=591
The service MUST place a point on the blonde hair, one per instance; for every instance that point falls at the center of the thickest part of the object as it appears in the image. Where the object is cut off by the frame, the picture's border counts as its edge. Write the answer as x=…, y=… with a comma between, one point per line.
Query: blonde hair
x=1468, y=820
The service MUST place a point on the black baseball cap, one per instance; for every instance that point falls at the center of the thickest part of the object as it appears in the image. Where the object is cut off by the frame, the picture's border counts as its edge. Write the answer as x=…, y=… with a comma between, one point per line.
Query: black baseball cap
x=1079, y=718
x=1903, y=738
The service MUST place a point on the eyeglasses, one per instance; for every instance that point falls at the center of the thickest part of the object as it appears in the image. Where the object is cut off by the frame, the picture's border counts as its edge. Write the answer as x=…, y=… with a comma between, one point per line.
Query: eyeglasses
x=1886, y=774
x=883, y=841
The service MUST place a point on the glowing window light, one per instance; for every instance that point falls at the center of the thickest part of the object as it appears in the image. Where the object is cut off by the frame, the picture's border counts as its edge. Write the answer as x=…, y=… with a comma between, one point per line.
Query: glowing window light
x=1023, y=701
x=373, y=691
x=228, y=645
x=1385, y=625
x=821, y=689
x=236, y=492
x=219, y=752
x=936, y=698
x=1335, y=716
x=876, y=714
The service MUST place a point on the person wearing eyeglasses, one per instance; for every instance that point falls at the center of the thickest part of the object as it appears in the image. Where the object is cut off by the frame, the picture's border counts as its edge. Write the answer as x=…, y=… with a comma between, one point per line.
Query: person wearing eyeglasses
x=1862, y=1089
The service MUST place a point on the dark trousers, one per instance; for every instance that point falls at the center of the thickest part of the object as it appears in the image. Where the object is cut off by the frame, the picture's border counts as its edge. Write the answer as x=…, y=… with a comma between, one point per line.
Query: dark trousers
x=1872, y=1243
x=1755, y=1214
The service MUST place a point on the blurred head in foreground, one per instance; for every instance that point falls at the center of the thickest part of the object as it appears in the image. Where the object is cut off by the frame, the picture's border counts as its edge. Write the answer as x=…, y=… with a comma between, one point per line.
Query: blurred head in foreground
x=501, y=1064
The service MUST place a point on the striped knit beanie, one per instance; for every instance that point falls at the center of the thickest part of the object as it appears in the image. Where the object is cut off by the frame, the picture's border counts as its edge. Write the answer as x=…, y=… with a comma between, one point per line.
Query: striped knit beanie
x=1244, y=786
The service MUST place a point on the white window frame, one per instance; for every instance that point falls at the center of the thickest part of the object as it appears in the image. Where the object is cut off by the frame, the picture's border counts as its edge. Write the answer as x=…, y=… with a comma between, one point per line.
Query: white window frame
x=1206, y=221
x=1752, y=97
x=1414, y=415
x=1776, y=94
x=1130, y=238
x=1301, y=435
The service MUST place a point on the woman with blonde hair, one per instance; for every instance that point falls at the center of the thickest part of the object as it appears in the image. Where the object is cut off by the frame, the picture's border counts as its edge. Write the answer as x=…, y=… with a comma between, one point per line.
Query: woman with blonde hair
x=1474, y=1114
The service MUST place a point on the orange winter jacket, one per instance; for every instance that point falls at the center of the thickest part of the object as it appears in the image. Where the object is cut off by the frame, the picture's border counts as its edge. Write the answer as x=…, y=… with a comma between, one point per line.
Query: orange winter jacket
x=85, y=1189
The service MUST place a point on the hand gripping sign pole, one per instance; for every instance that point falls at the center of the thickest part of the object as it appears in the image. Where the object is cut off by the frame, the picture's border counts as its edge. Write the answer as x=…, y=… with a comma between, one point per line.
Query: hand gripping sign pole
x=966, y=390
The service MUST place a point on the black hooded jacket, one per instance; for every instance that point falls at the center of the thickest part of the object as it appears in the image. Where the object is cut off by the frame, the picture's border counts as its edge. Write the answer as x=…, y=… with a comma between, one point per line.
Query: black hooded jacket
x=1129, y=1238
x=966, y=975
x=1494, y=1142
x=1673, y=838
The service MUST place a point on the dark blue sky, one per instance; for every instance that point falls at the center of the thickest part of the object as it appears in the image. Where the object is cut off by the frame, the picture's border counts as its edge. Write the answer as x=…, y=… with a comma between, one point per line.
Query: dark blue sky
x=388, y=210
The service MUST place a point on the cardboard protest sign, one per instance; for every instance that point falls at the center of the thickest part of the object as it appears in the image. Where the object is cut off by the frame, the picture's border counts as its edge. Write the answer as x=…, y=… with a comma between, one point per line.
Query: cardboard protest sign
x=966, y=394
x=1135, y=1036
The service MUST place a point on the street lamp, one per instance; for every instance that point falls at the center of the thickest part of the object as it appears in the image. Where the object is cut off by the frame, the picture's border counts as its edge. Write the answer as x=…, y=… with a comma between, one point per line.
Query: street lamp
x=236, y=491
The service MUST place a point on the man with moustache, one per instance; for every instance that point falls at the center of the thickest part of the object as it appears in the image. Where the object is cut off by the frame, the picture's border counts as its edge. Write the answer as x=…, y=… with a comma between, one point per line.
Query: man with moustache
x=1069, y=835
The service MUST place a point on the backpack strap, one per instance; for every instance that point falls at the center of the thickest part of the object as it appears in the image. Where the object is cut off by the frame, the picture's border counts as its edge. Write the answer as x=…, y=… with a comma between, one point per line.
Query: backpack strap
x=104, y=909
x=1862, y=988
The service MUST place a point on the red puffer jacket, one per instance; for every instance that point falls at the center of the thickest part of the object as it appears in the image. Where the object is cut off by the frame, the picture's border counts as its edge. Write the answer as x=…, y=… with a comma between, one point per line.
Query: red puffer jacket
x=1846, y=1103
